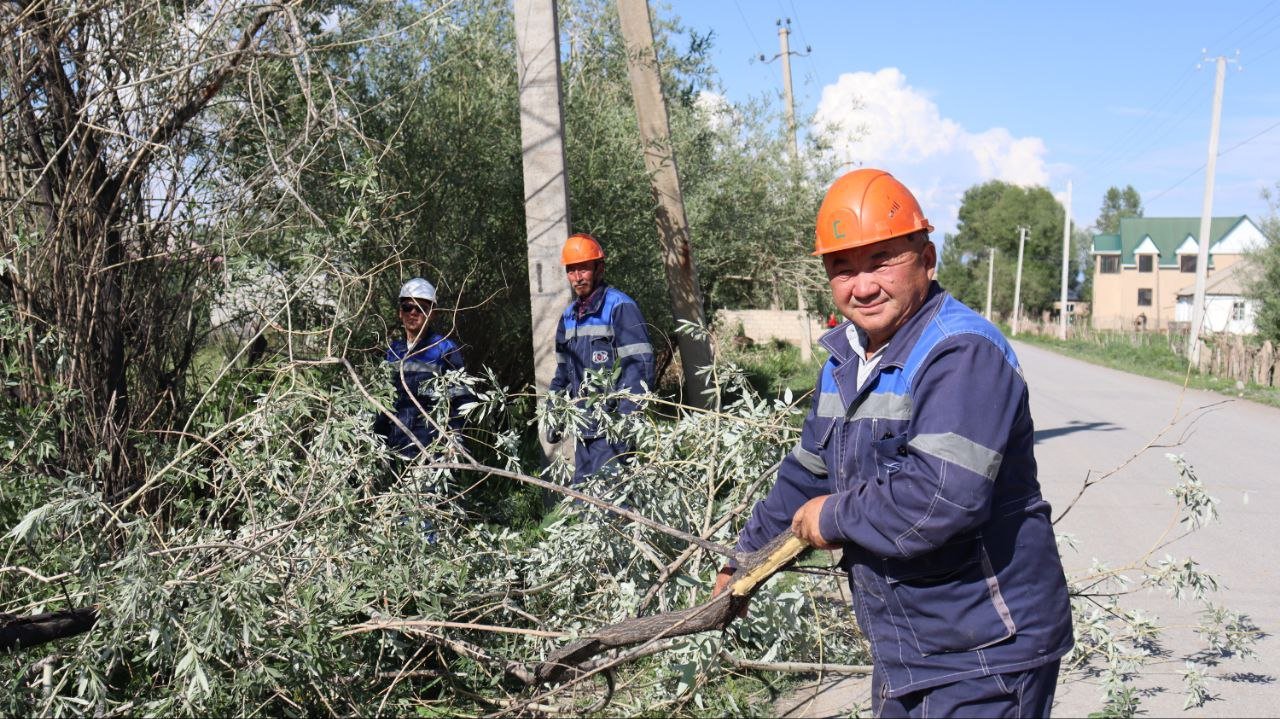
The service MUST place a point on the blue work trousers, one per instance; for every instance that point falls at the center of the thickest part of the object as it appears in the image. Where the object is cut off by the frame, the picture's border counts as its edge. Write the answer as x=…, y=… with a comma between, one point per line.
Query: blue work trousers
x=595, y=454
x=1016, y=695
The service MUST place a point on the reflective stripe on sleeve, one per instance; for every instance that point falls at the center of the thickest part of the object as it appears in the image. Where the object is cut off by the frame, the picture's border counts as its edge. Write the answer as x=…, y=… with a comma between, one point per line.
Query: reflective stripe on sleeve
x=639, y=348
x=809, y=461
x=961, y=451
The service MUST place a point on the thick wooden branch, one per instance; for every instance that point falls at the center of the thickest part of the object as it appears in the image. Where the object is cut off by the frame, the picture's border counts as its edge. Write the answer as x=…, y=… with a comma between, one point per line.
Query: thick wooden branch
x=19, y=633
x=753, y=571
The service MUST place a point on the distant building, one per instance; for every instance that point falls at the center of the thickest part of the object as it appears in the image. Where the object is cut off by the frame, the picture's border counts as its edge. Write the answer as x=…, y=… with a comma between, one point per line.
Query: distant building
x=1139, y=273
x=1076, y=309
x=1226, y=306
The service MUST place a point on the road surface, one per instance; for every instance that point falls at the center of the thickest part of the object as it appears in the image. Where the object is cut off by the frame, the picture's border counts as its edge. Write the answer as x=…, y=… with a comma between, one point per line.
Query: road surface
x=1092, y=420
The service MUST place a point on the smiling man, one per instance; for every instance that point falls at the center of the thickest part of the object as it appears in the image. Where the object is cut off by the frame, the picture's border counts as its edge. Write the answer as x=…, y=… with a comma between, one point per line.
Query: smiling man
x=916, y=460
x=601, y=329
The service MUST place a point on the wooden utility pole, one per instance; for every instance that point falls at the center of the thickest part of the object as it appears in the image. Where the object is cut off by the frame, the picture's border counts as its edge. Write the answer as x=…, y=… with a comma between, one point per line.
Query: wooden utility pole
x=1206, y=215
x=1017, y=281
x=1066, y=260
x=546, y=188
x=991, y=276
x=660, y=161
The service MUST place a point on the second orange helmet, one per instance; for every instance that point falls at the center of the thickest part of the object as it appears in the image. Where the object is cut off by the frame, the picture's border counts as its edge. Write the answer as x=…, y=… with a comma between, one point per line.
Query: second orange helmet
x=580, y=247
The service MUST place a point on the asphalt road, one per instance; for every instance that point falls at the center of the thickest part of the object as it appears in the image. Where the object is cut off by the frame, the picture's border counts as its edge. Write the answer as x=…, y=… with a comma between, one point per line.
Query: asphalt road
x=1092, y=421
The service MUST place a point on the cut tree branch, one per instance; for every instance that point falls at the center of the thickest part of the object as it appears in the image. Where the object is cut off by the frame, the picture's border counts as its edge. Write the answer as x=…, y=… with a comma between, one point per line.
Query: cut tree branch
x=19, y=633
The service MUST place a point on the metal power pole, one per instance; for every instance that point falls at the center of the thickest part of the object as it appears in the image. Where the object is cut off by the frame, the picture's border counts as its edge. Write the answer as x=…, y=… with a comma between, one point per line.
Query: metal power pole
x=660, y=162
x=546, y=189
x=1017, y=281
x=1066, y=259
x=1206, y=215
x=991, y=276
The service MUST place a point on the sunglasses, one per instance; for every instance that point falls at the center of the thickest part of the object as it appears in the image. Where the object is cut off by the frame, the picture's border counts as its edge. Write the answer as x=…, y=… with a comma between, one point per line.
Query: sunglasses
x=409, y=308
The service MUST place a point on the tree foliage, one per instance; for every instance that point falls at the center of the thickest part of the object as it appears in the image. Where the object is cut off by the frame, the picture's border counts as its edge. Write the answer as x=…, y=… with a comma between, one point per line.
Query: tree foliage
x=989, y=217
x=1264, y=285
x=208, y=209
x=1116, y=205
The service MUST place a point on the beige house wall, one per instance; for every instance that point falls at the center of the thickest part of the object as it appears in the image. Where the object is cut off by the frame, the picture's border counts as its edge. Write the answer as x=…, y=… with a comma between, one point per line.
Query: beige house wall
x=1115, y=296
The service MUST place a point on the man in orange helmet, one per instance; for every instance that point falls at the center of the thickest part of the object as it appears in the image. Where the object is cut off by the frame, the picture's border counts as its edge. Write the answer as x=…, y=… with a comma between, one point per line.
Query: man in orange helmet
x=916, y=460
x=601, y=329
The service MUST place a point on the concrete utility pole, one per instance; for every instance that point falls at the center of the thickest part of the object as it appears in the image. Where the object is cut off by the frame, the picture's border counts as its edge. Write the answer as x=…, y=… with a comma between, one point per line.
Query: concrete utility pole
x=660, y=161
x=546, y=189
x=1206, y=215
x=806, y=326
x=1017, y=281
x=784, y=52
x=991, y=276
x=1066, y=261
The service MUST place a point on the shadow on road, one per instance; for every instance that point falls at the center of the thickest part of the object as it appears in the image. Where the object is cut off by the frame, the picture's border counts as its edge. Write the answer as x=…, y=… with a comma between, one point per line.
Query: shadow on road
x=1074, y=426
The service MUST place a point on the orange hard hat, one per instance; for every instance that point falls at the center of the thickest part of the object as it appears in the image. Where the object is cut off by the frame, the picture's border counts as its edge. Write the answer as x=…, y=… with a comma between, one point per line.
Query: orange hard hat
x=580, y=247
x=866, y=206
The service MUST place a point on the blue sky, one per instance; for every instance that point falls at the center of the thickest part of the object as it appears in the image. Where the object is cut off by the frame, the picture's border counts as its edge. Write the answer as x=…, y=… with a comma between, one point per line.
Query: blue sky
x=946, y=94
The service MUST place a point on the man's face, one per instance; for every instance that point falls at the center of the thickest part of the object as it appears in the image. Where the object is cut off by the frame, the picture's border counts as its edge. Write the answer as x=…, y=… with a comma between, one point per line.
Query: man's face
x=584, y=276
x=414, y=314
x=880, y=286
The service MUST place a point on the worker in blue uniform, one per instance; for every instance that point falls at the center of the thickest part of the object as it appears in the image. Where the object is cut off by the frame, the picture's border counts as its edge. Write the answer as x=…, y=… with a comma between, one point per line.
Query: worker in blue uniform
x=415, y=360
x=601, y=329
x=916, y=459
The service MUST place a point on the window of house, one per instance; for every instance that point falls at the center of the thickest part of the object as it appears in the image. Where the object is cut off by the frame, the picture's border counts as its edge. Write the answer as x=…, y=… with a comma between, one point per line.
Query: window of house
x=1144, y=297
x=1187, y=263
x=1145, y=262
x=1109, y=264
x=1237, y=310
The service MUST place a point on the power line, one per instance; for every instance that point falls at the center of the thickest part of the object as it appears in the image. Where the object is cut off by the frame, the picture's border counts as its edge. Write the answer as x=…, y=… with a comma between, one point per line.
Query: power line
x=1143, y=130
x=1150, y=134
x=1257, y=28
x=759, y=47
x=1222, y=41
x=1120, y=144
x=1196, y=171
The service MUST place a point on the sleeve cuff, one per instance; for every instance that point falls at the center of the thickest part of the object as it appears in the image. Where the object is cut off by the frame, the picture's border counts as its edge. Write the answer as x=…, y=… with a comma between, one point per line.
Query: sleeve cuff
x=828, y=519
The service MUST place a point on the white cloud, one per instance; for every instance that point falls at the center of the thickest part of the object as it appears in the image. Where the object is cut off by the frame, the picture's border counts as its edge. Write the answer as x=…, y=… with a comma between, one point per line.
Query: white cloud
x=878, y=120
x=717, y=109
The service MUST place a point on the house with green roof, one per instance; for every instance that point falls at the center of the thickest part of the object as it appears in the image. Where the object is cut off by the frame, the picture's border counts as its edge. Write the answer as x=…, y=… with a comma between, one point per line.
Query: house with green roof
x=1139, y=271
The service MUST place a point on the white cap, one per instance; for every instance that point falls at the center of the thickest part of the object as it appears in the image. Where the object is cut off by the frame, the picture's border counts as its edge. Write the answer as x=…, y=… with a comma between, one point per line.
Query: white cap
x=420, y=289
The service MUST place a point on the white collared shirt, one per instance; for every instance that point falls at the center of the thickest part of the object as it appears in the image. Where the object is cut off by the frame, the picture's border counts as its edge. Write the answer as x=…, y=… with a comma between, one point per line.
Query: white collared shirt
x=866, y=365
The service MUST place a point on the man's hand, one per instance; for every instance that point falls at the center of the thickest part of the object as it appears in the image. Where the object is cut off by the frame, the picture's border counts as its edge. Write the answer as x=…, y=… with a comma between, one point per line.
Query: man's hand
x=723, y=579
x=805, y=523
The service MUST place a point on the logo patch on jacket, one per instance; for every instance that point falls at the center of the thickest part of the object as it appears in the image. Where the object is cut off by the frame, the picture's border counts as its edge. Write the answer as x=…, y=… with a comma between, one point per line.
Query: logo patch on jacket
x=600, y=356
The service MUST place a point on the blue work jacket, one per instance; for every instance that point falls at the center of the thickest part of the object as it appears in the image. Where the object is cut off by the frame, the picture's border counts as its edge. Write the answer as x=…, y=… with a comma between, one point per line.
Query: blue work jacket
x=412, y=367
x=947, y=541
x=610, y=335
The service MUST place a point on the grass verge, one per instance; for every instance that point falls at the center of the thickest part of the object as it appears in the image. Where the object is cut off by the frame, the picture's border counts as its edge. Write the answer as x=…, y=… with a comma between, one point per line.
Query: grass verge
x=1148, y=354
